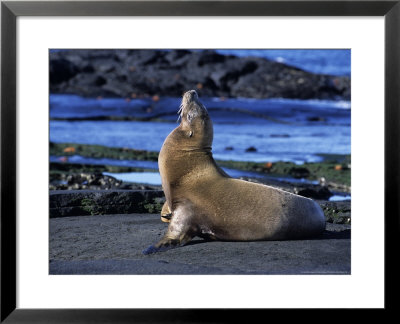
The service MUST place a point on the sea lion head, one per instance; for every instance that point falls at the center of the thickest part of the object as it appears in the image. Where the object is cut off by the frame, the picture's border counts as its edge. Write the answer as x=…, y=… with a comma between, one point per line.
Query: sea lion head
x=195, y=121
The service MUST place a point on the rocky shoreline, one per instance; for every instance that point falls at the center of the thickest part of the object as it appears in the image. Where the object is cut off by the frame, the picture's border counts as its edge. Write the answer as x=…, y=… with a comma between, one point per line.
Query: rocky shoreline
x=82, y=189
x=135, y=74
x=333, y=173
x=101, y=202
x=109, y=202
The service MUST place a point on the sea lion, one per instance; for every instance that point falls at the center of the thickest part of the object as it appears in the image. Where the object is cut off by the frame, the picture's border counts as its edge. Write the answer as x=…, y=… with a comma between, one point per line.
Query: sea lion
x=202, y=200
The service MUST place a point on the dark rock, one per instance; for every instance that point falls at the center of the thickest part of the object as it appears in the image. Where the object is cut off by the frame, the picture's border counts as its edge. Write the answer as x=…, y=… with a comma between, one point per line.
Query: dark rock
x=321, y=193
x=100, y=202
x=229, y=148
x=210, y=57
x=88, y=69
x=299, y=172
x=62, y=70
x=337, y=212
x=91, y=180
x=280, y=135
x=173, y=56
x=121, y=73
x=100, y=81
x=316, y=119
x=251, y=149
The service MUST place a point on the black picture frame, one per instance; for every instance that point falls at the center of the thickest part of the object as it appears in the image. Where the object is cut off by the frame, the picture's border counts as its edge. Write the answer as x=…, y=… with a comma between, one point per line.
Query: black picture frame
x=10, y=10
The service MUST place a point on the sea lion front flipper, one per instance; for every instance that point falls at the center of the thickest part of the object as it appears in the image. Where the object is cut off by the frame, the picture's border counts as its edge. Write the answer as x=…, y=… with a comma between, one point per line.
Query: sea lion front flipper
x=167, y=243
x=166, y=213
x=179, y=232
x=166, y=218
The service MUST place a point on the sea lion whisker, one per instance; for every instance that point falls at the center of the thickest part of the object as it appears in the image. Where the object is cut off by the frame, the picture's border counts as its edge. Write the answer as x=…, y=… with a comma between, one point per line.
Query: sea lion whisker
x=180, y=112
x=180, y=109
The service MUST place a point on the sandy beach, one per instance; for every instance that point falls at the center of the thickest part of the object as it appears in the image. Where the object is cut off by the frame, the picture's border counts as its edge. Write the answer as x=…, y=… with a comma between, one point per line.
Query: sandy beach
x=113, y=244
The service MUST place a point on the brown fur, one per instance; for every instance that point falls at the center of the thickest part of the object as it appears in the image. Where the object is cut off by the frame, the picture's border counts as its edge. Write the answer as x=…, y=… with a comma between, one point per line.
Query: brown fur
x=204, y=201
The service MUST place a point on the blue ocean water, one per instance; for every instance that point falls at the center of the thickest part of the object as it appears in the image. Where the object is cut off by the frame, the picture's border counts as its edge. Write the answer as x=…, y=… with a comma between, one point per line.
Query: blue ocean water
x=278, y=129
x=324, y=61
